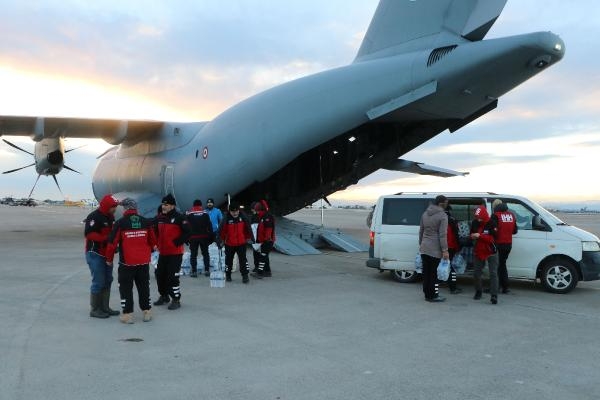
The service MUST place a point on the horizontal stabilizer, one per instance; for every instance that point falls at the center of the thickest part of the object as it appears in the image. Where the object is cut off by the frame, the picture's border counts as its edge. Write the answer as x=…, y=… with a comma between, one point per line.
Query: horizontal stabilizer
x=401, y=26
x=422, y=169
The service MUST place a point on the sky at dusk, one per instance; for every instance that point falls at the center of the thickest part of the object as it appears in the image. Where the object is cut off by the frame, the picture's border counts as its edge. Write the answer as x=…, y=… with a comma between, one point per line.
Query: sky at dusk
x=191, y=60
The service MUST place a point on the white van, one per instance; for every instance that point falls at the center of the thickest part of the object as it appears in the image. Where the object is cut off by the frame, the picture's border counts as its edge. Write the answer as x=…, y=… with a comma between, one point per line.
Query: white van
x=545, y=248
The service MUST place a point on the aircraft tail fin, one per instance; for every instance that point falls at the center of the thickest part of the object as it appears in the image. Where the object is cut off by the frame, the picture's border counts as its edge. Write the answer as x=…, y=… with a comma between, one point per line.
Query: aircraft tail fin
x=408, y=25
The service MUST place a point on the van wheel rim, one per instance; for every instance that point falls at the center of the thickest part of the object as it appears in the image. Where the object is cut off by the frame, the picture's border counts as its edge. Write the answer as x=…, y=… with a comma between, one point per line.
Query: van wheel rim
x=559, y=277
x=405, y=274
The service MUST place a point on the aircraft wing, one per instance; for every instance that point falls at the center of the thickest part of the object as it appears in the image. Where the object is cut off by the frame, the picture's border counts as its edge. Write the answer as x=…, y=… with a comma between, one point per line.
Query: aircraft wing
x=113, y=131
x=422, y=169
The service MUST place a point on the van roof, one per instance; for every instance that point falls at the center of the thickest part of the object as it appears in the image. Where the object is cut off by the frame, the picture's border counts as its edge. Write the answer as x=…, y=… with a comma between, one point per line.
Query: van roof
x=452, y=195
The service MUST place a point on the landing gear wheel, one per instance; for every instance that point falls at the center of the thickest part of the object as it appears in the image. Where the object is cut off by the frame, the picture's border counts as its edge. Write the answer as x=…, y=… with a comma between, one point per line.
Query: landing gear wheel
x=405, y=276
x=559, y=276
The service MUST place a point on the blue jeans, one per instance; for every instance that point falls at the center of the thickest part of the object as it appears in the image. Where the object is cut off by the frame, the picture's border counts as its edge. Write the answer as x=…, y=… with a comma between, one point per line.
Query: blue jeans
x=102, y=274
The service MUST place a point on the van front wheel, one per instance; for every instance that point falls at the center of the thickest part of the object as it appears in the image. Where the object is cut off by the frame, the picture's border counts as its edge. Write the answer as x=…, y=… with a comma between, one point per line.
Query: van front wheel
x=405, y=276
x=559, y=276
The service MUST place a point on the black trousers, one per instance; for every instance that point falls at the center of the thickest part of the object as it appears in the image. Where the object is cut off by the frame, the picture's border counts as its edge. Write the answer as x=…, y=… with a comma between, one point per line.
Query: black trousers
x=203, y=245
x=167, y=275
x=453, y=275
x=431, y=288
x=264, y=263
x=230, y=252
x=503, y=253
x=140, y=275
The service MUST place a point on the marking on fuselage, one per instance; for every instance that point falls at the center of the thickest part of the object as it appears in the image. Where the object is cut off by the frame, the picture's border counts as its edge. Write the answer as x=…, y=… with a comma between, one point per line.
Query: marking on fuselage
x=205, y=153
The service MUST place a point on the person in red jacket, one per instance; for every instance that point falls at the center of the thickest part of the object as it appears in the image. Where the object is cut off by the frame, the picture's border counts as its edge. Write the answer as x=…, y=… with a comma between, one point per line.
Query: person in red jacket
x=235, y=233
x=98, y=226
x=135, y=238
x=453, y=249
x=507, y=227
x=173, y=232
x=265, y=239
x=483, y=231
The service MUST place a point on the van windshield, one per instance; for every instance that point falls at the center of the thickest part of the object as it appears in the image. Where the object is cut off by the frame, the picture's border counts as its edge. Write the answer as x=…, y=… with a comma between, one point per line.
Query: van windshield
x=548, y=216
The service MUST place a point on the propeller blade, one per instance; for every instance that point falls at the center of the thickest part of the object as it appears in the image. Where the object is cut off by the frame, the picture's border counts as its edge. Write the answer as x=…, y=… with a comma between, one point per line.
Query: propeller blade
x=57, y=185
x=76, y=148
x=327, y=201
x=16, y=147
x=18, y=169
x=34, y=185
x=71, y=169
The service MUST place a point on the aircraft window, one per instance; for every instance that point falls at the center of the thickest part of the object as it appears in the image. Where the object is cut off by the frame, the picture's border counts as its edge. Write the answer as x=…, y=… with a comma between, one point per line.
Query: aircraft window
x=404, y=211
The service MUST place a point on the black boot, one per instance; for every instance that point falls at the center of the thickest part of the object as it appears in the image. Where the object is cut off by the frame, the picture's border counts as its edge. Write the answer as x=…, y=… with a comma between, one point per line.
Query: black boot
x=96, y=305
x=175, y=304
x=258, y=274
x=162, y=300
x=228, y=276
x=194, y=273
x=494, y=300
x=245, y=278
x=477, y=295
x=105, y=303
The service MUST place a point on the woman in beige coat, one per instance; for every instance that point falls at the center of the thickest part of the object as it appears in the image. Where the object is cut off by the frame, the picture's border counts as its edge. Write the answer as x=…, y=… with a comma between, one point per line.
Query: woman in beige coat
x=433, y=244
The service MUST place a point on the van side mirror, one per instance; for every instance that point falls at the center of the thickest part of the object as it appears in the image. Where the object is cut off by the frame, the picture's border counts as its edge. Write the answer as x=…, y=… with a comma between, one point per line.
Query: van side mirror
x=539, y=224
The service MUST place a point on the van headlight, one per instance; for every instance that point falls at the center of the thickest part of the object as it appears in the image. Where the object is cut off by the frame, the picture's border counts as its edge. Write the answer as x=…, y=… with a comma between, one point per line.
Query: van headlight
x=591, y=246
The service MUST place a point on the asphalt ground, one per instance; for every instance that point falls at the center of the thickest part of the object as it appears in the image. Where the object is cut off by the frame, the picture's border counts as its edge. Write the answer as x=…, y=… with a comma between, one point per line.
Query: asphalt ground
x=324, y=327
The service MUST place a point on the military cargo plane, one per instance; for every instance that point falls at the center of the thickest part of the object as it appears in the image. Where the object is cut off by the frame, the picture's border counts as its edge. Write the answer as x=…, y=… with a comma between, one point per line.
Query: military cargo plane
x=423, y=68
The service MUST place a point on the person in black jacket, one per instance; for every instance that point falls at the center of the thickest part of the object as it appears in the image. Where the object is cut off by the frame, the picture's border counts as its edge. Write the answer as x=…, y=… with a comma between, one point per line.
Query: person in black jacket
x=201, y=236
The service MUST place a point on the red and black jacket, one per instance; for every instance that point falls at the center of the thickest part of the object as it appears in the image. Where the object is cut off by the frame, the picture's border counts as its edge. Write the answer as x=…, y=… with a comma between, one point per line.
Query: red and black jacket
x=507, y=225
x=487, y=228
x=134, y=236
x=173, y=231
x=98, y=226
x=266, y=225
x=235, y=232
x=453, y=242
x=200, y=224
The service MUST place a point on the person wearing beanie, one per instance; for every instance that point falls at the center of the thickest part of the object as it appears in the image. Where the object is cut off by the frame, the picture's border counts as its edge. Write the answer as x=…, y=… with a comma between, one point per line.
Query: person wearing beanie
x=235, y=233
x=134, y=236
x=173, y=232
x=216, y=216
x=98, y=226
x=507, y=227
x=433, y=245
x=483, y=231
x=201, y=236
x=265, y=239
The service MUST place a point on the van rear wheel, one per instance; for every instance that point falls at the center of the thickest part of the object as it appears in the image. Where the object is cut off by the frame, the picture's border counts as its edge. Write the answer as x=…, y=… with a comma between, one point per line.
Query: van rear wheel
x=559, y=276
x=405, y=276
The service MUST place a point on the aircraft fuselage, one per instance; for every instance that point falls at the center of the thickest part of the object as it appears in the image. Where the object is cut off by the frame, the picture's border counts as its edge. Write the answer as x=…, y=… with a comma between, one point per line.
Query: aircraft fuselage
x=323, y=132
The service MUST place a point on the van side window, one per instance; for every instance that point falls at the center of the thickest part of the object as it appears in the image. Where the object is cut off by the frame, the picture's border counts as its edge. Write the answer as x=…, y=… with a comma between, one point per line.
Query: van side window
x=404, y=211
x=523, y=213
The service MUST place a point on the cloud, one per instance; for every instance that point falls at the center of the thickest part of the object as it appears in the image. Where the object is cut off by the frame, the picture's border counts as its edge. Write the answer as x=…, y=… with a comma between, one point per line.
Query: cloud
x=192, y=60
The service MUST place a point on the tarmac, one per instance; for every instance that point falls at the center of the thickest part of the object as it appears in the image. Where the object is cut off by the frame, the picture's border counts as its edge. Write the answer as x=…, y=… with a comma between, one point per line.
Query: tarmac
x=324, y=327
